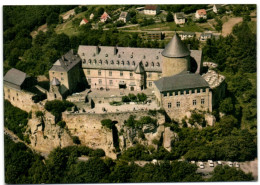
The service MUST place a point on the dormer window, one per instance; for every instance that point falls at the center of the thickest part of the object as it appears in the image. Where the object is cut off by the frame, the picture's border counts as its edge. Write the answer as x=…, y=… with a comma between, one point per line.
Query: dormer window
x=112, y=61
x=158, y=64
x=89, y=61
x=157, y=57
x=83, y=54
x=131, y=56
x=144, y=56
x=117, y=62
x=84, y=61
x=95, y=61
x=119, y=56
x=133, y=63
x=146, y=64
x=94, y=54
x=100, y=61
x=122, y=62
x=106, y=55
x=152, y=64
x=128, y=63
x=106, y=61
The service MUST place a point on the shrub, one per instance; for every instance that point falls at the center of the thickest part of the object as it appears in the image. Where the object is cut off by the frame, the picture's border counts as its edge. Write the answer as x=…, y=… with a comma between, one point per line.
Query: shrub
x=125, y=99
x=107, y=123
x=141, y=97
x=39, y=114
x=76, y=140
x=62, y=124
x=132, y=97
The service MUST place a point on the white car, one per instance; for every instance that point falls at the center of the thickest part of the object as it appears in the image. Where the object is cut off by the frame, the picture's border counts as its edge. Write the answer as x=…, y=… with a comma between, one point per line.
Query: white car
x=236, y=164
x=211, y=163
x=230, y=164
x=219, y=163
x=201, y=165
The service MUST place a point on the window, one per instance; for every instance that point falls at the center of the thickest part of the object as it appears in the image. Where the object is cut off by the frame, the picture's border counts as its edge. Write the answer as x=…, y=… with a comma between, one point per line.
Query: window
x=131, y=74
x=198, y=90
x=110, y=73
x=170, y=94
x=159, y=75
x=110, y=82
x=176, y=93
x=83, y=54
x=16, y=94
x=61, y=73
x=193, y=91
x=100, y=81
x=203, y=90
x=89, y=80
x=165, y=94
x=178, y=104
x=202, y=101
x=150, y=84
x=187, y=91
x=182, y=92
x=62, y=78
x=169, y=105
x=99, y=72
x=149, y=74
x=8, y=90
x=8, y=96
x=194, y=102
x=121, y=73
x=53, y=73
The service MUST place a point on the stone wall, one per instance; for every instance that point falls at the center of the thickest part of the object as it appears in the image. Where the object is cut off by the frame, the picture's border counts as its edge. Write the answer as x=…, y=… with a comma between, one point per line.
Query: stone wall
x=19, y=98
x=173, y=66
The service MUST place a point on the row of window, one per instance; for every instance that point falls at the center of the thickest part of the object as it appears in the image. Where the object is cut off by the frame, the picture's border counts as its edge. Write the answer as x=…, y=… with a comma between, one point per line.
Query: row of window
x=54, y=73
x=117, y=62
x=182, y=92
x=194, y=102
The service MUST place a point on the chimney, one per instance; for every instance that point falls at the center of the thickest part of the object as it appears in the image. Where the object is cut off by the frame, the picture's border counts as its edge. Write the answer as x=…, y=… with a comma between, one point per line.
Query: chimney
x=115, y=50
x=97, y=49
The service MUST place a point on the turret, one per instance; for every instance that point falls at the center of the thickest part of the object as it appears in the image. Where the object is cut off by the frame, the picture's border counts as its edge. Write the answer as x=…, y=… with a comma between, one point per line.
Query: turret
x=175, y=57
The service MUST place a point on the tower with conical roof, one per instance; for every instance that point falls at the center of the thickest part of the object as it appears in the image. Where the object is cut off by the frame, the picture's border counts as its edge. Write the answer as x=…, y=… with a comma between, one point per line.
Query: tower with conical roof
x=175, y=57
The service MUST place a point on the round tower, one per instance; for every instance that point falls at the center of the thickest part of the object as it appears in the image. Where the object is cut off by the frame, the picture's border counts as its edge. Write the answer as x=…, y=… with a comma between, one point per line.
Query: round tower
x=175, y=57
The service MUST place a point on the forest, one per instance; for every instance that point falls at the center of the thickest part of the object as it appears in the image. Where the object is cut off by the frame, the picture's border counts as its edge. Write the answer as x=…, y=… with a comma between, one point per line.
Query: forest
x=233, y=137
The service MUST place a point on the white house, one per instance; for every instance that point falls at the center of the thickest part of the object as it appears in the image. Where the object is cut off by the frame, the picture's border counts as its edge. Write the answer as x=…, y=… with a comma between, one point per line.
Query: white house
x=104, y=17
x=151, y=10
x=179, y=18
x=84, y=21
x=91, y=16
x=201, y=14
x=216, y=7
x=187, y=35
x=124, y=16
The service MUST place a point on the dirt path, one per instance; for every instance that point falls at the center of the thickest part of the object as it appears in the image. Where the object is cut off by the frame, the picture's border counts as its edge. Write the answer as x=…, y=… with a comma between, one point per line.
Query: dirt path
x=227, y=26
x=43, y=28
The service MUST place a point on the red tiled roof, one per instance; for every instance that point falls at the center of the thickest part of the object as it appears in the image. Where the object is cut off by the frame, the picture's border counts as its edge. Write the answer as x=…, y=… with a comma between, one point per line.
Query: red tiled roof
x=150, y=7
x=104, y=16
x=202, y=12
x=85, y=20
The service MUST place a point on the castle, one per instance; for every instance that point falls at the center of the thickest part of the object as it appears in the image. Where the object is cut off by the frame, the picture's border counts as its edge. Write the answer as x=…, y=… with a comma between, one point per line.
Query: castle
x=173, y=74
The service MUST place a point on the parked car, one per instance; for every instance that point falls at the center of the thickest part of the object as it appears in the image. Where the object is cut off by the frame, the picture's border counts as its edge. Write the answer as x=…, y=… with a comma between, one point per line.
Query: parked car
x=201, y=165
x=211, y=163
x=219, y=163
x=230, y=164
x=236, y=164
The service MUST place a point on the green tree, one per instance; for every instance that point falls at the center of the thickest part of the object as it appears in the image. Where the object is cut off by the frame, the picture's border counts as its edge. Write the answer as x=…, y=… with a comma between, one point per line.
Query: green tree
x=169, y=17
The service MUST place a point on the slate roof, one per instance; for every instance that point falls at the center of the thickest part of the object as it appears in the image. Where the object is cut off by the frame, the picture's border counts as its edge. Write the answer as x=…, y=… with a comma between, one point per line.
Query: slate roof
x=187, y=33
x=176, y=48
x=55, y=81
x=206, y=35
x=180, y=81
x=15, y=76
x=180, y=15
x=126, y=58
x=66, y=62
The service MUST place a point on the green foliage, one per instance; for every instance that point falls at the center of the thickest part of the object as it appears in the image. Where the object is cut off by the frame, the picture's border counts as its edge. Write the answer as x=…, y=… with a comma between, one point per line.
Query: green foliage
x=15, y=119
x=62, y=124
x=226, y=173
x=197, y=118
x=138, y=124
x=219, y=24
x=226, y=106
x=141, y=97
x=53, y=18
x=56, y=107
x=39, y=114
x=76, y=140
x=107, y=123
x=169, y=17
x=125, y=99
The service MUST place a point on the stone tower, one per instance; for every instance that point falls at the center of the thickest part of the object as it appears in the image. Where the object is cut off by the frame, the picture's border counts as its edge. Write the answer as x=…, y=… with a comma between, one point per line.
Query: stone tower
x=175, y=57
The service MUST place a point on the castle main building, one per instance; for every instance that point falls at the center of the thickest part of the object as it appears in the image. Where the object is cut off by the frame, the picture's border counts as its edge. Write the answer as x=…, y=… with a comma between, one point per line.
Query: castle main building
x=172, y=73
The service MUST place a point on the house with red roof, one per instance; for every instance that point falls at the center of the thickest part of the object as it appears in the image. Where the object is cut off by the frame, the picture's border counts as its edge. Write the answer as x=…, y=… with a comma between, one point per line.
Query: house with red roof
x=104, y=17
x=84, y=21
x=151, y=9
x=201, y=14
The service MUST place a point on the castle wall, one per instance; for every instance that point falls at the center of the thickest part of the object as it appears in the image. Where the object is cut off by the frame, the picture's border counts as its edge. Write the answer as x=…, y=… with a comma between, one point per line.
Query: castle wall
x=90, y=131
x=151, y=77
x=173, y=66
x=19, y=98
x=177, y=106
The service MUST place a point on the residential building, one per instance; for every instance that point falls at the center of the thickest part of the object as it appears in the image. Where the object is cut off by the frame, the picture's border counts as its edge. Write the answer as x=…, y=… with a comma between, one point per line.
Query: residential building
x=201, y=14
x=151, y=9
x=84, y=21
x=187, y=35
x=179, y=18
x=104, y=17
x=124, y=16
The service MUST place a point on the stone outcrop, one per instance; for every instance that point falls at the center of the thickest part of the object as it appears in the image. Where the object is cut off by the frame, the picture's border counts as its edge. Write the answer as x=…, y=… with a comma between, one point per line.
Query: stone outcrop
x=168, y=136
x=46, y=135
